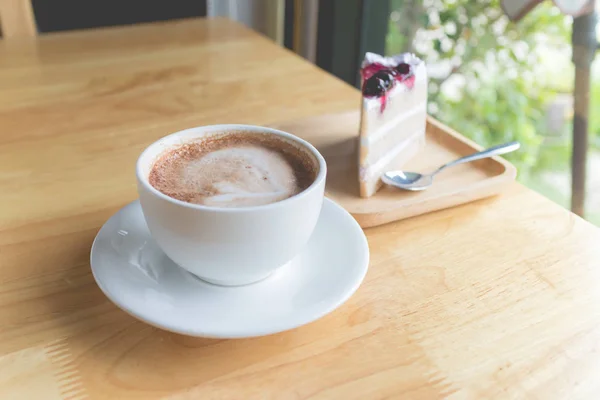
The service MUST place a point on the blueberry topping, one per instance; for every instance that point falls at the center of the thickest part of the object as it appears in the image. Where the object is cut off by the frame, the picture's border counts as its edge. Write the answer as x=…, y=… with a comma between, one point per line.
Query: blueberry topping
x=403, y=68
x=378, y=84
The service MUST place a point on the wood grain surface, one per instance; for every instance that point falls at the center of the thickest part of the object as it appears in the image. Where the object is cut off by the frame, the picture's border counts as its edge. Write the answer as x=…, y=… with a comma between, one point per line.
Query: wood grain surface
x=494, y=299
x=336, y=137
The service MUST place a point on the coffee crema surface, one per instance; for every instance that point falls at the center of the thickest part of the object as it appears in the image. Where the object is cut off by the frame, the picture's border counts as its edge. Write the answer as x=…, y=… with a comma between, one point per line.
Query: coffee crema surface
x=234, y=169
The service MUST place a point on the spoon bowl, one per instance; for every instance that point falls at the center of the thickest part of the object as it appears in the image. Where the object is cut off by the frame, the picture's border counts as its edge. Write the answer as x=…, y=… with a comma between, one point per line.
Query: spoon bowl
x=407, y=180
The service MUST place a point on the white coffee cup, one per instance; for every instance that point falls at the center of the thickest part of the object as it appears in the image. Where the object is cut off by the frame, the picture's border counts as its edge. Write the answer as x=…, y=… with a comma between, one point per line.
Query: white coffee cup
x=229, y=246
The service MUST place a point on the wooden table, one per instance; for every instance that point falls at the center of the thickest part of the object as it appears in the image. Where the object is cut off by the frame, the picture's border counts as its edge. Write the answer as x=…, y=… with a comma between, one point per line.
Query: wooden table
x=496, y=299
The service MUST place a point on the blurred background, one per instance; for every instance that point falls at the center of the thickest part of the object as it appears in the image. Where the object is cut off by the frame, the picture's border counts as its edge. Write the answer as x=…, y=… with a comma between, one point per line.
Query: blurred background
x=492, y=79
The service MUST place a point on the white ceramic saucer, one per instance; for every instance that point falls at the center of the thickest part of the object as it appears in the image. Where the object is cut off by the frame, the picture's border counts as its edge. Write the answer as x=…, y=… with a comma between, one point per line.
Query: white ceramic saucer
x=139, y=278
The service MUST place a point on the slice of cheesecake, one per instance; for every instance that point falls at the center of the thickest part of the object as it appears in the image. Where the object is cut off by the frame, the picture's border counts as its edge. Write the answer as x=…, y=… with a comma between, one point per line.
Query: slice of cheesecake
x=393, y=116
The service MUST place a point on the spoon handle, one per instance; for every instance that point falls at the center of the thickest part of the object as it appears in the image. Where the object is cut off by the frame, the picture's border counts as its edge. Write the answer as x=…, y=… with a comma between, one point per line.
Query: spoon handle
x=492, y=151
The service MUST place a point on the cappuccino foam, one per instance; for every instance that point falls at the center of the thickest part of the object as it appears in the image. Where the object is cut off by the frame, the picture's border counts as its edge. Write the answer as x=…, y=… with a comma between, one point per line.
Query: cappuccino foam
x=233, y=170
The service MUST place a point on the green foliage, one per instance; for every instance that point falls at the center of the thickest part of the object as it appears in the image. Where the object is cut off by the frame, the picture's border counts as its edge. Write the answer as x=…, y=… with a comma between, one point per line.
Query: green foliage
x=594, y=117
x=497, y=111
x=491, y=66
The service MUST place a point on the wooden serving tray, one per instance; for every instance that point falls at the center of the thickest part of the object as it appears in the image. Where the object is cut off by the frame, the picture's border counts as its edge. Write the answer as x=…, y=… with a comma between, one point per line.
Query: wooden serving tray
x=335, y=135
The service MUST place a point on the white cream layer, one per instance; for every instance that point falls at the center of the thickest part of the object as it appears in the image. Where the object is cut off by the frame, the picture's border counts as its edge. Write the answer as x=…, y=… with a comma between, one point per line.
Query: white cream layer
x=375, y=170
x=391, y=124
